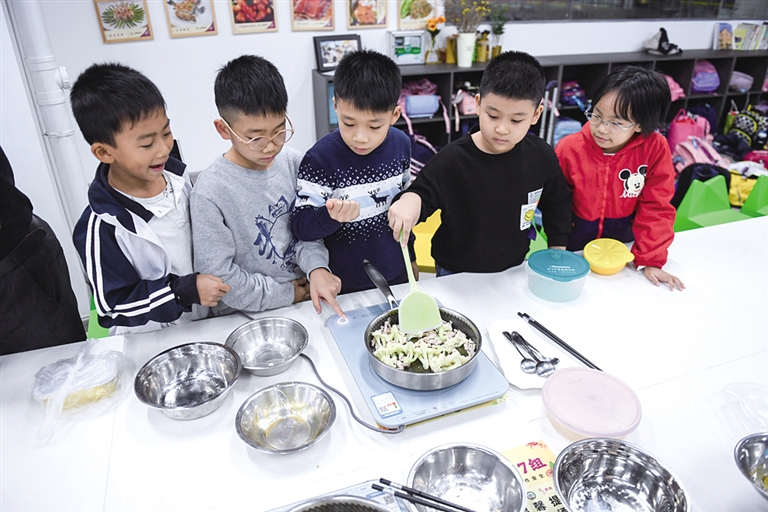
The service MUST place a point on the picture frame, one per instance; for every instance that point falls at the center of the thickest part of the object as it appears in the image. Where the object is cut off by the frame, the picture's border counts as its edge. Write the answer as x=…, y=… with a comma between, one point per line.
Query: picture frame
x=190, y=18
x=330, y=49
x=311, y=15
x=122, y=21
x=408, y=46
x=256, y=18
x=366, y=14
x=413, y=14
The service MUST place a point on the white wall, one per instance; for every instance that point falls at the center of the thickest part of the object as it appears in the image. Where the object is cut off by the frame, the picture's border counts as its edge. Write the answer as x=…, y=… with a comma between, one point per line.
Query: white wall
x=184, y=69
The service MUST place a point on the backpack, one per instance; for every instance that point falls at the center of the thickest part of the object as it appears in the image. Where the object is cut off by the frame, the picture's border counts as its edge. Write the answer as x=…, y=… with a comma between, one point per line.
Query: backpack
x=424, y=106
x=696, y=151
x=421, y=153
x=697, y=171
x=565, y=126
x=705, y=77
x=743, y=178
x=573, y=94
x=684, y=126
x=751, y=126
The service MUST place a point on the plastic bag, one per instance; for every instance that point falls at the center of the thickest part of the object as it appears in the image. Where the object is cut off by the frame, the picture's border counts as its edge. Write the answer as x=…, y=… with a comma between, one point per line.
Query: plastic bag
x=85, y=383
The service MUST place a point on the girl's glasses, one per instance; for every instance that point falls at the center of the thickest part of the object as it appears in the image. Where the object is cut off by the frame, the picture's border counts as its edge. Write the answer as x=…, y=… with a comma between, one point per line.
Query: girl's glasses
x=612, y=125
x=259, y=143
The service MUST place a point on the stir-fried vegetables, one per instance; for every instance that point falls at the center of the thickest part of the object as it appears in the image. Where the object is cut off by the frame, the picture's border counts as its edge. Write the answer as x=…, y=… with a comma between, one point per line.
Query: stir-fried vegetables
x=434, y=351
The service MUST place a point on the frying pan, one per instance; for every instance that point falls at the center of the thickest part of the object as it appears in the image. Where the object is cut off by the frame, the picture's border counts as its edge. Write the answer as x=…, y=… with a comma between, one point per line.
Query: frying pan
x=412, y=380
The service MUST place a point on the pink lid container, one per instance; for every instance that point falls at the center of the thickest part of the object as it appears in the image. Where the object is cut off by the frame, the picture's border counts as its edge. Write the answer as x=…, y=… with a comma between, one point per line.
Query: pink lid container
x=591, y=403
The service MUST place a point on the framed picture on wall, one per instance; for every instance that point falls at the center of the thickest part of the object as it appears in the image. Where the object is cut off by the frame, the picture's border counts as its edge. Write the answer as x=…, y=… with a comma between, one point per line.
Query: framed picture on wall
x=413, y=14
x=311, y=15
x=254, y=17
x=366, y=14
x=124, y=21
x=330, y=49
x=190, y=17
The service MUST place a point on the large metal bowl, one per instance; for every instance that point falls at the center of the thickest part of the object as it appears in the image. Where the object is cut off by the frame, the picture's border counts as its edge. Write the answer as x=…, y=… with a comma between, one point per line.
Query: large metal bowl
x=469, y=475
x=285, y=418
x=268, y=346
x=424, y=381
x=604, y=474
x=751, y=454
x=188, y=381
x=340, y=504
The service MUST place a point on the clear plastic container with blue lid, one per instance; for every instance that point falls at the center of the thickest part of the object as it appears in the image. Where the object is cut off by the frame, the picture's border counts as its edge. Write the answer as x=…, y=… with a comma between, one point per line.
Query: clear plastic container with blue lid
x=556, y=275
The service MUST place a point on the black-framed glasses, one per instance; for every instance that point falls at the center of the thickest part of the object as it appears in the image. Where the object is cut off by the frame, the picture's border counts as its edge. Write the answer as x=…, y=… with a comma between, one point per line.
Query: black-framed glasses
x=612, y=125
x=259, y=143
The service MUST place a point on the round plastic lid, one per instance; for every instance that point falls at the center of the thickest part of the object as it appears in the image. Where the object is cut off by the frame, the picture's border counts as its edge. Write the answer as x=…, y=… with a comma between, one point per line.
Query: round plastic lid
x=607, y=252
x=591, y=403
x=558, y=264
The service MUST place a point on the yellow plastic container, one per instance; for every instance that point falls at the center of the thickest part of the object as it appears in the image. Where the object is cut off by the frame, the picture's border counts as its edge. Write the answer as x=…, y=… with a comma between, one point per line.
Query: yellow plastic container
x=607, y=256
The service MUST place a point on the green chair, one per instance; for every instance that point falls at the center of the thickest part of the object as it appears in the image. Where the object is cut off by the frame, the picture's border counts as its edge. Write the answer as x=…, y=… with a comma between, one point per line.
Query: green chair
x=706, y=204
x=756, y=204
x=94, y=329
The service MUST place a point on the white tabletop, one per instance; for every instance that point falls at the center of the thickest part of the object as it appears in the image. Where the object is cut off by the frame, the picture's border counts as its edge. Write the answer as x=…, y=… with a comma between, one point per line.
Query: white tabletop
x=676, y=350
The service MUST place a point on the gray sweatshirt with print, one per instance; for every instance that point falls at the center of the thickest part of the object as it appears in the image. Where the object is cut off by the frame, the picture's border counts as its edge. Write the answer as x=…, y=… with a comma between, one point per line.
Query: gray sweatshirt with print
x=241, y=232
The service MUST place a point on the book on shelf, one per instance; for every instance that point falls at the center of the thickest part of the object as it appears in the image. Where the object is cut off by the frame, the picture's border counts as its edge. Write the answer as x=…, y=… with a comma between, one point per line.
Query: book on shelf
x=763, y=43
x=723, y=37
x=740, y=34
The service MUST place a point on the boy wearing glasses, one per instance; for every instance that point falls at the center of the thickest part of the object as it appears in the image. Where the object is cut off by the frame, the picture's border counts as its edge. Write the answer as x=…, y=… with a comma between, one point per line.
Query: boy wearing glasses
x=241, y=204
x=489, y=182
x=349, y=177
x=620, y=170
x=134, y=237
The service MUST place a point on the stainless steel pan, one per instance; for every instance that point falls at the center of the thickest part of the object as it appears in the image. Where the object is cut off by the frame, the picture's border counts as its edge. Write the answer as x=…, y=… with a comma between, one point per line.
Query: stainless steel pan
x=412, y=380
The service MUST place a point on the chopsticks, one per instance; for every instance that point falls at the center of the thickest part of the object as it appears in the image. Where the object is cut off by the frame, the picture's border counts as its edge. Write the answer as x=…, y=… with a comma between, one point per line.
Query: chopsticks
x=418, y=497
x=549, y=334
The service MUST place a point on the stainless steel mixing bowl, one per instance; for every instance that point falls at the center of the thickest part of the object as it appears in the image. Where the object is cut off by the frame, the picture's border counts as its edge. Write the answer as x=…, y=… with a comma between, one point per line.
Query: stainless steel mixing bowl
x=604, y=474
x=340, y=504
x=751, y=454
x=471, y=476
x=268, y=346
x=188, y=381
x=285, y=418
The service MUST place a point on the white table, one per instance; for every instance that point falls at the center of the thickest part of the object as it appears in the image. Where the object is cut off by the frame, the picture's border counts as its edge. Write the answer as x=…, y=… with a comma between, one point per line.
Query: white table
x=676, y=350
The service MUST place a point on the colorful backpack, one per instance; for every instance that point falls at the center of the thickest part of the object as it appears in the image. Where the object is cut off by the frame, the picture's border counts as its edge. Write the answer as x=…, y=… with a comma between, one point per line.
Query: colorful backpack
x=696, y=151
x=705, y=77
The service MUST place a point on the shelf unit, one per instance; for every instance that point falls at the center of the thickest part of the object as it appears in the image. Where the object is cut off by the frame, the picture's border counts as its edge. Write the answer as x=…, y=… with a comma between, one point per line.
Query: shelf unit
x=587, y=69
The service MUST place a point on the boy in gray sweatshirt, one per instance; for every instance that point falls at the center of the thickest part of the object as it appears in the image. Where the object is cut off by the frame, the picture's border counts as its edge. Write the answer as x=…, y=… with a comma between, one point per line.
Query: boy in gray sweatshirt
x=241, y=204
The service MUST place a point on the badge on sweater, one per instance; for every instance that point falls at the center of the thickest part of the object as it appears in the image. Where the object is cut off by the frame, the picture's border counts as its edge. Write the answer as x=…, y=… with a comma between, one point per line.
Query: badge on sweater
x=526, y=215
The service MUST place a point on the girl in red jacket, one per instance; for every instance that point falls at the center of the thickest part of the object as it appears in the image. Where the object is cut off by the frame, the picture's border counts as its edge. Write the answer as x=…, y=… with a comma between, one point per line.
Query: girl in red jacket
x=620, y=170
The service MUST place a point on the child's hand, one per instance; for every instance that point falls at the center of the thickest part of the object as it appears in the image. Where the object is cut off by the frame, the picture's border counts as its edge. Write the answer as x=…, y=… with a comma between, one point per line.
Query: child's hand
x=324, y=286
x=211, y=289
x=342, y=211
x=300, y=289
x=656, y=276
x=404, y=214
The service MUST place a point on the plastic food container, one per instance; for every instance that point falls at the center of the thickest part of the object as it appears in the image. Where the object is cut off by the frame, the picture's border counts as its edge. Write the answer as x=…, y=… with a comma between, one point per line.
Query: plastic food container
x=607, y=256
x=583, y=403
x=556, y=275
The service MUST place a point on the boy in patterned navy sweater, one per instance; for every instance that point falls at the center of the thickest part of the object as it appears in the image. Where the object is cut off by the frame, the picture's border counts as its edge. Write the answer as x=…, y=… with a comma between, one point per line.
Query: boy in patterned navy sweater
x=348, y=178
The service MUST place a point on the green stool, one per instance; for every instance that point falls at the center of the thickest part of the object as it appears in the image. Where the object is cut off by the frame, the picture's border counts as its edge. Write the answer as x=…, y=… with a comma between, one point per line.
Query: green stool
x=756, y=204
x=706, y=204
x=94, y=329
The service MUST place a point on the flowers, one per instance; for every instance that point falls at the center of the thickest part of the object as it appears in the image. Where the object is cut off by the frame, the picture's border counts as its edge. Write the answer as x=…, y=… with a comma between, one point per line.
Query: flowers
x=467, y=14
x=432, y=25
x=498, y=19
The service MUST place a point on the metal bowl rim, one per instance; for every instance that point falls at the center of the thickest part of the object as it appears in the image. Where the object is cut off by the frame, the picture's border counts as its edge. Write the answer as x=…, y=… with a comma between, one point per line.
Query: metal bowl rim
x=230, y=342
x=324, y=393
x=503, y=460
x=478, y=348
x=145, y=367
x=742, y=442
x=577, y=445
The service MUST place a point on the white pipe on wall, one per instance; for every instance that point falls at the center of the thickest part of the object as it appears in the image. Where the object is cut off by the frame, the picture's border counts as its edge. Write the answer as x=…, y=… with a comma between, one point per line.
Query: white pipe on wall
x=47, y=84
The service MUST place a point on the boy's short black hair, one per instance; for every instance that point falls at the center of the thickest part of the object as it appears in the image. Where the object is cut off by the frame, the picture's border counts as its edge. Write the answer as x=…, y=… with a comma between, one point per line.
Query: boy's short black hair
x=250, y=85
x=641, y=91
x=514, y=75
x=105, y=96
x=368, y=80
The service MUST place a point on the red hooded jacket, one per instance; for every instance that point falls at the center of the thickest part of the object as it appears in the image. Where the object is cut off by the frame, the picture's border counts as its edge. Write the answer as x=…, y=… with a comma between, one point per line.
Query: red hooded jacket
x=625, y=196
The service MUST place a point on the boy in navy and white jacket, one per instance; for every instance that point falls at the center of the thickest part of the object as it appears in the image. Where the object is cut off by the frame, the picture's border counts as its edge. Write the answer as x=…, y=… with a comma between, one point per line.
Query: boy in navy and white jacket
x=134, y=237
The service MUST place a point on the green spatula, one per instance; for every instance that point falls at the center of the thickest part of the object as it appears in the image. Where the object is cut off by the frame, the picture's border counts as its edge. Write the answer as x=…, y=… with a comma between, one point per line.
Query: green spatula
x=418, y=310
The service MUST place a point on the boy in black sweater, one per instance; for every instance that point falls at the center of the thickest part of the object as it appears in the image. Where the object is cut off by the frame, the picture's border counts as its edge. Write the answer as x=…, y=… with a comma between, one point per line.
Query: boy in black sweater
x=489, y=182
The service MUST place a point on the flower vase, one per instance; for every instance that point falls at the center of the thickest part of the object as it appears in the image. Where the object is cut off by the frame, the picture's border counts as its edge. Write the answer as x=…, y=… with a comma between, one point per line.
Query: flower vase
x=497, y=41
x=432, y=57
x=450, y=49
x=465, y=48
